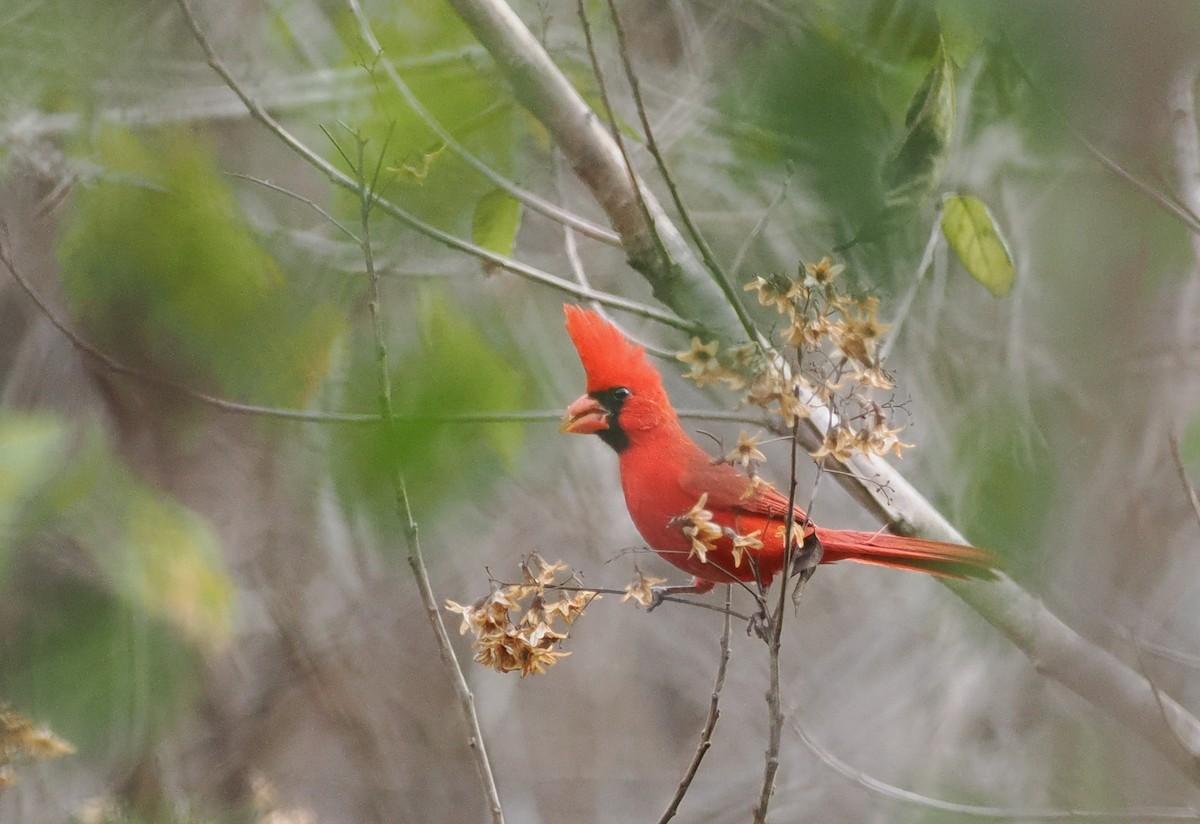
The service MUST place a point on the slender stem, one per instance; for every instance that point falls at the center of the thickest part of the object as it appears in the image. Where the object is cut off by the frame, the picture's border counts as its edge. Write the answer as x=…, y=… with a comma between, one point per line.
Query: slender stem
x=774, y=644
x=710, y=723
x=761, y=224
x=615, y=129
x=1189, y=490
x=408, y=524
x=706, y=254
x=530, y=199
x=1182, y=213
x=445, y=238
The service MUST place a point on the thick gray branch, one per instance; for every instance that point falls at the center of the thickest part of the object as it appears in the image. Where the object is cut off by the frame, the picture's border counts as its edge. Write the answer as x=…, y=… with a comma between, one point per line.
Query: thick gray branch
x=680, y=280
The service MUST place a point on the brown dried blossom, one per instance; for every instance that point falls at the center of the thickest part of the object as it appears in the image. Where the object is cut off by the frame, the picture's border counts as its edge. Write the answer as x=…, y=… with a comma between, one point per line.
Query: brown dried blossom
x=641, y=588
x=834, y=339
x=698, y=525
x=22, y=740
x=530, y=644
x=746, y=454
x=741, y=543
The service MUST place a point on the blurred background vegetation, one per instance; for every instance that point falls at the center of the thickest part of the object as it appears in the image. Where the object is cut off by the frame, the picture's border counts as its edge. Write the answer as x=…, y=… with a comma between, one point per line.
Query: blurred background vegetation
x=213, y=607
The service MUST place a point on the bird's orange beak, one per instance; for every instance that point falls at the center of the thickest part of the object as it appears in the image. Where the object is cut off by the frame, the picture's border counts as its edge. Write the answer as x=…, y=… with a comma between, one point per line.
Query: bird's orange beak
x=584, y=417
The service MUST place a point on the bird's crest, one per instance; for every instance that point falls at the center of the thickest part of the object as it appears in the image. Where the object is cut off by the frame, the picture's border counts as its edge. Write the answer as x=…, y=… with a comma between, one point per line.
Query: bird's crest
x=608, y=358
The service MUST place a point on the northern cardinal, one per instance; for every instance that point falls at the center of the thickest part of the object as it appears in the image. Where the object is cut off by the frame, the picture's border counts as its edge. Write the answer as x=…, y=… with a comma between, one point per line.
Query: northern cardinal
x=664, y=475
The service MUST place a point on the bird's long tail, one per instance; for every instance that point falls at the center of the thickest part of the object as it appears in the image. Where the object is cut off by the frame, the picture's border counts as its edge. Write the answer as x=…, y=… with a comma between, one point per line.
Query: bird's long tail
x=918, y=554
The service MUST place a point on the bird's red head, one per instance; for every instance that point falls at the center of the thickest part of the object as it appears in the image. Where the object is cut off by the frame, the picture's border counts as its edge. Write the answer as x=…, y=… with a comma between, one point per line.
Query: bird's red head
x=625, y=394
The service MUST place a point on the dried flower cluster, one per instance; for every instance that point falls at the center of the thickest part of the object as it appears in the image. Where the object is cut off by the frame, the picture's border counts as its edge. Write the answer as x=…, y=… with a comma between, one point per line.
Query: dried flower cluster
x=698, y=525
x=22, y=740
x=530, y=644
x=832, y=340
x=641, y=588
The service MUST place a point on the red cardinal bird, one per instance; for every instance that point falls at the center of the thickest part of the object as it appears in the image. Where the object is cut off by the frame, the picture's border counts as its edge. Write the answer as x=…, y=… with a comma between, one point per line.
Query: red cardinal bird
x=664, y=474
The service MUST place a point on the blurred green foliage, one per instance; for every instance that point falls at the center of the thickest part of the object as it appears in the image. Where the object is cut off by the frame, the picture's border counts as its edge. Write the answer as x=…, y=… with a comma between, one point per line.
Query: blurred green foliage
x=443, y=68
x=53, y=51
x=452, y=369
x=113, y=590
x=1011, y=481
x=164, y=273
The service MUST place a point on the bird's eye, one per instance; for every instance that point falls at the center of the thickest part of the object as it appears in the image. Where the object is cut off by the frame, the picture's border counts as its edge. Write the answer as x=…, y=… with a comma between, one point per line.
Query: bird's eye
x=621, y=393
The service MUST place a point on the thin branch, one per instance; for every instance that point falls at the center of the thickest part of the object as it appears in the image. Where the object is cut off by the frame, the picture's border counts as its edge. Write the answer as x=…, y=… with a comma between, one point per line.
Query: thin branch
x=706, y=254
x=530, y=199
x=575, y=262
x=1183, y=214
x=774, y=644
x=342, y=179
x=541, y=87
x=309, y=202
x=298, y=415
x=710, y=723
x=408, y=524
x=615, y=129
x=901, y=313
x=890, y=791
x=761, y=224
x=1189, y=490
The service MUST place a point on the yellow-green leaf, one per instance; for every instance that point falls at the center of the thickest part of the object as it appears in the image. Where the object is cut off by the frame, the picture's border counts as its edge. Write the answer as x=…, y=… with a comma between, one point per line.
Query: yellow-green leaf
x=972, y=233
x=496, y=221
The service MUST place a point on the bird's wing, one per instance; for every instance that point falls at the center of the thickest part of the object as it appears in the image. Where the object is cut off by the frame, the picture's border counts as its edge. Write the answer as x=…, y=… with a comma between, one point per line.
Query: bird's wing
x=731, y=490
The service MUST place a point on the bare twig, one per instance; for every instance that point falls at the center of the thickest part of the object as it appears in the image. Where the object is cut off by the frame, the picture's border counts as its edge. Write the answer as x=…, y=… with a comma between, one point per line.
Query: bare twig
x=309, y=202
x=679, y=282
x=706, y=254
x=408, y=524
x=530, y=199
x=761, y=224
x=774, y=644
x=1189, y=490
x=710, y=723
x=342, y=179
x=635, y=185
x=571, y=248
x=1184, y=214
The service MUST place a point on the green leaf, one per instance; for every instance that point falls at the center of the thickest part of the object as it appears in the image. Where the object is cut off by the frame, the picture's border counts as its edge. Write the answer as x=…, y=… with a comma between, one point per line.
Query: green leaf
x=972, y=233
x=496, y=222
x=916, y=169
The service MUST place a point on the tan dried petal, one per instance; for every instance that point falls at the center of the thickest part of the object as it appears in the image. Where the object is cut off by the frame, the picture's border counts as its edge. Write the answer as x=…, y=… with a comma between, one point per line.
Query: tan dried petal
x=641, y=589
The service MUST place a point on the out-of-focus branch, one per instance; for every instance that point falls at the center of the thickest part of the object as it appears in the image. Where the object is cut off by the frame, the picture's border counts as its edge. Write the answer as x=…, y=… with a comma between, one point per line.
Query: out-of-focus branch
x=408, y=525
x=710, y=723
x=884, y=790
x=1188, y=489
x=1058, y=651
x=530, y=199
x=679, y=281
x=259, y=113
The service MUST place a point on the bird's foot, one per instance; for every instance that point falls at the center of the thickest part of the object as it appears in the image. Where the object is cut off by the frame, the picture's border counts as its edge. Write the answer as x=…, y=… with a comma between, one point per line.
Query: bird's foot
x=658, y=594
x=758, y=625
